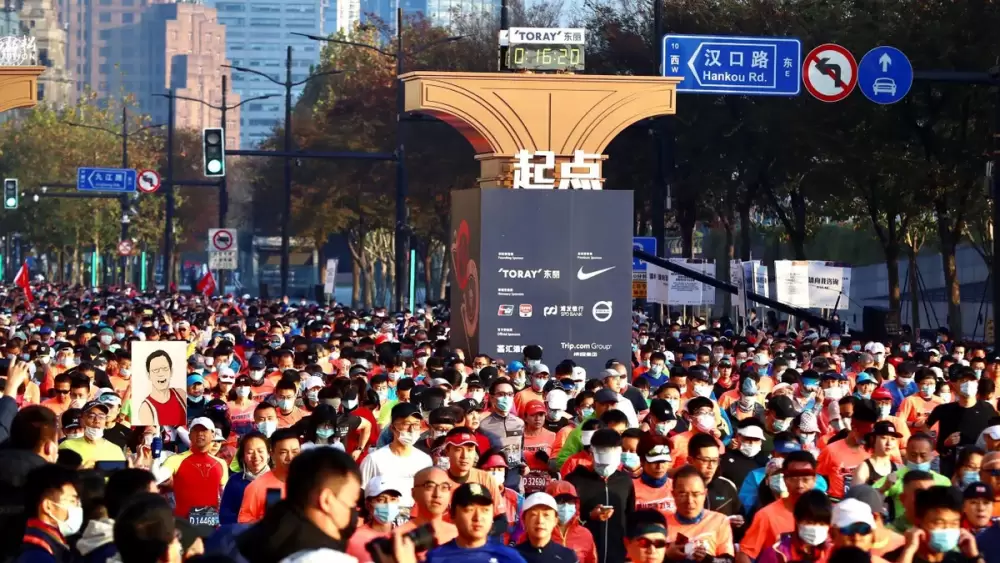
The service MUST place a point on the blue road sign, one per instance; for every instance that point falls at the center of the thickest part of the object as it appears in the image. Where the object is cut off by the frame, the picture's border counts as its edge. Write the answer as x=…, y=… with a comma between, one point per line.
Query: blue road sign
x=885, y=75
x=645, y=244
x=753, y=66
x=105, y=180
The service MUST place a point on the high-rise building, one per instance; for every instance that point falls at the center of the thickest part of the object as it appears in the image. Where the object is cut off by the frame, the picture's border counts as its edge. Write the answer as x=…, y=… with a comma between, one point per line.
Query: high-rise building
x=439, y=12
x=183, y=48
x=258, y=33
x=40, y=19
x=348, y=15
x=140, y=48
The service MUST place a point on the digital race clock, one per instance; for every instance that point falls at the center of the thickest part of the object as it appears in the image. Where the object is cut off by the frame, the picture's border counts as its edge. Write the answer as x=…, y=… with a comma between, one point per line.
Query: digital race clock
x=542, y=49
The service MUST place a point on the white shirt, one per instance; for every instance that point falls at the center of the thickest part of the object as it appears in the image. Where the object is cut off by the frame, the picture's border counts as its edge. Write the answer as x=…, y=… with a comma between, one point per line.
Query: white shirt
x=400, y=469
x=626, y=407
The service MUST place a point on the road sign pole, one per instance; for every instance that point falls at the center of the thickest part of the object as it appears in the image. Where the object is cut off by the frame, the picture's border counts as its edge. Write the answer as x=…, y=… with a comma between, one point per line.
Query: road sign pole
x=168, y=179
x=123, y=200
x=223, y=187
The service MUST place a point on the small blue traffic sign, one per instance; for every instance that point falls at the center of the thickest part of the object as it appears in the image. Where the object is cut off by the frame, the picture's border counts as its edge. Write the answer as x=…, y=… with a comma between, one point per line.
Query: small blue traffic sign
x=645, y=244
x=885, y=75
x=120, y=180
x=752, y=66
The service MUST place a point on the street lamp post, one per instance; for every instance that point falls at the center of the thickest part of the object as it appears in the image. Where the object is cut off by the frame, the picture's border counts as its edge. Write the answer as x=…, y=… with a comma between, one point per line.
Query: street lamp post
x=287, y=206
x=402, y=231
x=123, y=199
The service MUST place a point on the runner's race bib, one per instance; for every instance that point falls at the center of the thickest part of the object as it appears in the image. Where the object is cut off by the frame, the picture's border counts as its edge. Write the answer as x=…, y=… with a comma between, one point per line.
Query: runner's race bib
x=536, y=481
x=204, y=516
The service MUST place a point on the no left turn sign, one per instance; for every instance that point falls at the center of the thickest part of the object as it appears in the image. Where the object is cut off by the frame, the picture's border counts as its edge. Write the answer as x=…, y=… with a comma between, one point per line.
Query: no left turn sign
x=125, y=248
x=147, y=181
x=830, y=73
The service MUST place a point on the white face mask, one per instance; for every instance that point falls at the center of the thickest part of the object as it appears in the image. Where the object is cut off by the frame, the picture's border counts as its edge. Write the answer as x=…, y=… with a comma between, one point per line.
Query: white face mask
x=93, y=433
x=408, y=438
x=812, y=534
x=750, y=449
x=74, y=519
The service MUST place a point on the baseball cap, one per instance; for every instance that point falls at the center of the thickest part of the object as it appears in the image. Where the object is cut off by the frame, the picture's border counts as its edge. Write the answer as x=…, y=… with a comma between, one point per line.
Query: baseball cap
x=71, y=419
x=313, y=382
x=461, y=439
x=808, y=422
x=195, y=379
x=539, y=369
x=257, y=362
x=535, y=500
x=440, y=382
x=109, y=397
x=381, y=484
x=514, y=366
x=196, y=362
x=689, y=357
x=978, y=490
x=604, y=396
x=227, y=375
x=471, y=493
x=752, y=431
x=658, y=453
x=493, y=462
x=204, y=422
x=534, y=407
x=661, y=410
x=881, y=394
x=865, y=377
x=787, y=446
x=406, y=410
x=783, y=407
x=885, y=428
x=557, y=400
x=868, y=495
x=851, y=511
x=94, y=405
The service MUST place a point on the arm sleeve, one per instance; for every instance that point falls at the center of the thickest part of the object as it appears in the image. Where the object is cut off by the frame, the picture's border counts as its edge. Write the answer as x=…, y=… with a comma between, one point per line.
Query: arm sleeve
x=8, y=409
x=229, y=506
x=248, y=508
x=934, y=416
x=724, y=541
x=754, y=538
x=748, y=492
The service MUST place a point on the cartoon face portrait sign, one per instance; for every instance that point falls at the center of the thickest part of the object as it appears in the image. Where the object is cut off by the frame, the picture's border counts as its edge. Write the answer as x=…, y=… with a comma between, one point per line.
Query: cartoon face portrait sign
x=159, y=383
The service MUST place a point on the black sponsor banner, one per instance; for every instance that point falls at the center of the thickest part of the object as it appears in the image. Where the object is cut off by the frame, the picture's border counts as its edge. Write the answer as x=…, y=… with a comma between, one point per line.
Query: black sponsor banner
x=552, y=268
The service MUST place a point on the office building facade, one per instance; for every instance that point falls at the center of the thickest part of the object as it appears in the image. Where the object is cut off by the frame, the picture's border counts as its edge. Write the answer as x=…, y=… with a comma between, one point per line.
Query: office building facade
x=258, y=33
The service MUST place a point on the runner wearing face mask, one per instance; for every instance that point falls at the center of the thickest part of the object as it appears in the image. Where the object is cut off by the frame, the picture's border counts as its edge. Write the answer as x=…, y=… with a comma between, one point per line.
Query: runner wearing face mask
x=400, y=460
x=539, y=377
x=92, y=447
x=54, y=513
x=737, y=463
x=960, y=422
x=744, y=402
x=701, y=415
x=508, y=427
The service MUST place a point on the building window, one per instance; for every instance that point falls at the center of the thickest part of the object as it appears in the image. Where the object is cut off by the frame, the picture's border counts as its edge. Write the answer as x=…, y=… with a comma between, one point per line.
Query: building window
x=104, y=68
x=41, y=89
x=105, y=34
x=103, y=51
x=43, y=57
x=105, y=17
x=128, y=18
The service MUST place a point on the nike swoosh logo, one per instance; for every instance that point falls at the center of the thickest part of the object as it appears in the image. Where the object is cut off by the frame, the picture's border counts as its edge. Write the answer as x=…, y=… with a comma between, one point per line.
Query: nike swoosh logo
x=582, y=276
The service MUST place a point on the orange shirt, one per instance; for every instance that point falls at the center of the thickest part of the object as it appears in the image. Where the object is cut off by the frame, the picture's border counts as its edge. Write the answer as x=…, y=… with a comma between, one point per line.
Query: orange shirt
x=837, y=463
x=56, y=406
x=660, y=499
x=769, y=523
x=120, y=385
x=523, y=397
x=916, y=407
x=486, y=480
x=31, y=395
x=886, y=540
x=289, y=420
x=679, y=447
x=713, y=530
x=540, y=442
x=561, y=437
x=255, y=498
x=583, y=458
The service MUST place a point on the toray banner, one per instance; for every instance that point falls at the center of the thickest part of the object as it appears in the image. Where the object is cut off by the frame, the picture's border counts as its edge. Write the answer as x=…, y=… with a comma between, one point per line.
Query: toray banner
x=552, y=268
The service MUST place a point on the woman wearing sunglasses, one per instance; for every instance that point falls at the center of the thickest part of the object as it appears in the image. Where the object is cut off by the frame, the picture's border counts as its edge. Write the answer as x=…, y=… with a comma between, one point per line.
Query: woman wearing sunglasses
x=646, y=540
x=853, y=525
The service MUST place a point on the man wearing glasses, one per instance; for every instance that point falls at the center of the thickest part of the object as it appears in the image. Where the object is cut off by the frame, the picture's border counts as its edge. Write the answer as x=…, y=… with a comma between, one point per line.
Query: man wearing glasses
x=400, y=461
x=431, y=496
x=92, y=446
x=694, y=531
x=723, y=496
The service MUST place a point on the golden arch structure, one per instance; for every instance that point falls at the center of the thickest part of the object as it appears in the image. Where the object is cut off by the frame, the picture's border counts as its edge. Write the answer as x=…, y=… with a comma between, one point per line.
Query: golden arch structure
x=503, y=113
x=19, y=86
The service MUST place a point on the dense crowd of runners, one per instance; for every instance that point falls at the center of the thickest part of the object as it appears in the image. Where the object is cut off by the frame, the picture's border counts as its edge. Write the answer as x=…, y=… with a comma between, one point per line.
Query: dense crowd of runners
x=312, y=433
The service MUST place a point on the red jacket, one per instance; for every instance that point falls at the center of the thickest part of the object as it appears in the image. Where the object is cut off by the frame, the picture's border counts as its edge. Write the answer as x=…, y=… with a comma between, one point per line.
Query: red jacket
x=577, y=537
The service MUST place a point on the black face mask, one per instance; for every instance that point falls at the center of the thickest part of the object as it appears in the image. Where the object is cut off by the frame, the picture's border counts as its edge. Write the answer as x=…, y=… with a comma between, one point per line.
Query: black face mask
x=352, y=526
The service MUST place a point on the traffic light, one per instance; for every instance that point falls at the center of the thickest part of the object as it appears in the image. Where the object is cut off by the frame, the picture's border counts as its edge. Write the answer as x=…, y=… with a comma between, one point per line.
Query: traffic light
x=10, y=195
x=213, y=142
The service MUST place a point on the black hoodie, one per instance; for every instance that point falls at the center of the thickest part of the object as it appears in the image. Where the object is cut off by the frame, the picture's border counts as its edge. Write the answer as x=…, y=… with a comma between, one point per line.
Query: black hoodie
x=14, y=468
x=618, y=492
x=284, y=530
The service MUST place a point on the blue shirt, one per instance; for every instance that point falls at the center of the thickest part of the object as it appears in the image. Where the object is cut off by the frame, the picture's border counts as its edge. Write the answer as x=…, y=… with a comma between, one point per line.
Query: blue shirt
x=988, y=542
x=656, y=382
x=749, y=488
x=898, y=394
x=489, y=553
x=552, y=552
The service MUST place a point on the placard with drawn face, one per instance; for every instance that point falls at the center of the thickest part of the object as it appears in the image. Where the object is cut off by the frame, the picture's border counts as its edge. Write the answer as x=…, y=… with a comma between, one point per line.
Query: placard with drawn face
x=159, y=383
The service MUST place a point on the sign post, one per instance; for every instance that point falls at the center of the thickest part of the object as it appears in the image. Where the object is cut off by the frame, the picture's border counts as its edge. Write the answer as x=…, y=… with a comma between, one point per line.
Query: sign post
x=751, y=66
x=830, y=73
x=114, y=180
x=639, y=268
x=148, y=181
x=885, y=75
x=223, y=253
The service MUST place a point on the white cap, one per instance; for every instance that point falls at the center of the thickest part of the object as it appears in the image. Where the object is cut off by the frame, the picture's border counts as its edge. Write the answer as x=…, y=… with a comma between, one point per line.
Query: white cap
x=579, y=374
x=379, y=484
x=669, y=356
x=218, y=436
x=314, y=381
x=753, y=432
x=808, y=423
x=108, y=396
x=760, y=359
x=993, y=432
x=227, y=375
x=557, y=400
x=780, y=387
x=203, y=421
x=535, y=500
x=875, y=348
x=851, y=511
x=585, y=436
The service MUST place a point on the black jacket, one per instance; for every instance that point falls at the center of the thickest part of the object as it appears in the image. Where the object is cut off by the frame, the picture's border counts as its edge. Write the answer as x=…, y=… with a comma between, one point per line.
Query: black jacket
x=618, y=492
x=551, y=553
x=735, y=466
x=723, y=497
x=14, y=468
x=284, y=530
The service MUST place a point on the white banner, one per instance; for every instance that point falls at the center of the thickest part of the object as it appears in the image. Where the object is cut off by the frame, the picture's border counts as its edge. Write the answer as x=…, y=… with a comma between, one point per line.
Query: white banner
x=686, y=291
x=741, y=288
x=657, y=284
x=760, y=282
x=813, y=284
x=330, y=282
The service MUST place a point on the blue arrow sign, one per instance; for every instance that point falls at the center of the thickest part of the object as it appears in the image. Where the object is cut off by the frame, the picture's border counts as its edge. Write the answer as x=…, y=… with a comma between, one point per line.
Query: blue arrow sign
x=120, y=180
x=885, y=75
x=645, y=244
x=753, y=66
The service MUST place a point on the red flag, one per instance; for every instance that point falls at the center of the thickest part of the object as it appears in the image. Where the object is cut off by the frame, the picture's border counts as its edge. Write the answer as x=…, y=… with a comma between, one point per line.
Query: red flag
x=23, y=280
x=207, y=284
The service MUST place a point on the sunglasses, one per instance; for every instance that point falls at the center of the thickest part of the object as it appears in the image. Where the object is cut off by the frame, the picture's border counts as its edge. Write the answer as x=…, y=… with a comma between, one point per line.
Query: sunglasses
x=856, y=529
x=646, y=543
